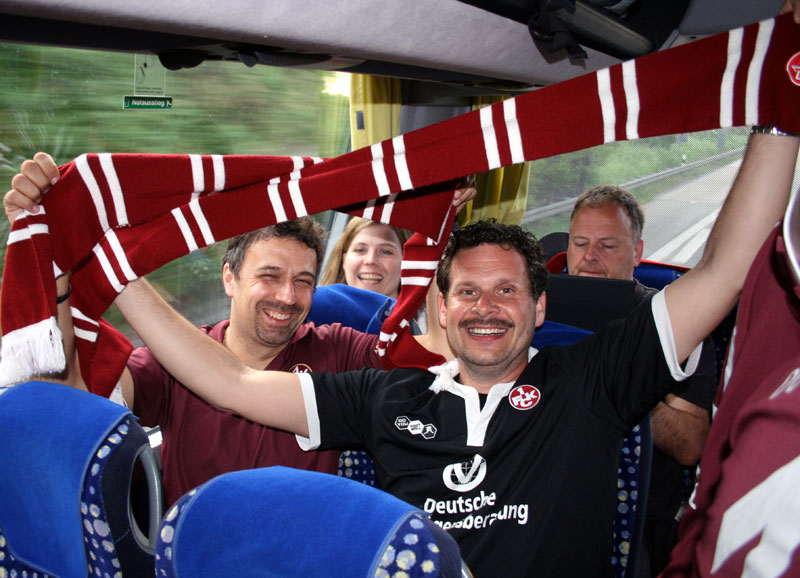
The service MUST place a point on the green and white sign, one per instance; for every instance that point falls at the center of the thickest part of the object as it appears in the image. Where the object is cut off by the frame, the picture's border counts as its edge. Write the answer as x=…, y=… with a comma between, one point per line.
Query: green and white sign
x=149, y=81
x=146, y=102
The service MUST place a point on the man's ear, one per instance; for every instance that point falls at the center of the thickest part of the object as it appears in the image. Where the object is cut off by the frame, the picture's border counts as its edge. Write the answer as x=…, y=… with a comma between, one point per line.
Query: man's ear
x=637, y=253
x=442, y=311
x=227, y=279
x=541, y=307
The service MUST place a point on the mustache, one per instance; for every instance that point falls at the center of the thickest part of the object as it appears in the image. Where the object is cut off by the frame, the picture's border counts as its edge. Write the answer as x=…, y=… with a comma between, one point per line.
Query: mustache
x=279, y=307
x=485, y=322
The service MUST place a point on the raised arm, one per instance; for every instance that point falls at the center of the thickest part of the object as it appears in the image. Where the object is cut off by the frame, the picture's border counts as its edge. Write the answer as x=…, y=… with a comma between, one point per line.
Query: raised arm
x=272, y=398
x=699, y=300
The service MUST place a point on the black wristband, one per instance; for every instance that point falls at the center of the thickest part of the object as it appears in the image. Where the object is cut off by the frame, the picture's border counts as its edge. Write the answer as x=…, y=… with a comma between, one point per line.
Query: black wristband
x=65, y=296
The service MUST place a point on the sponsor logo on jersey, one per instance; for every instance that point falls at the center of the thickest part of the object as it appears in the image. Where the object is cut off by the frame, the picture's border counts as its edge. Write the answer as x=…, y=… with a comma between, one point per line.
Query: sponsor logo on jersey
x=793, y=69
x=524, y=397
x=465, y=476
x=766, y=511
x=789, y=384
x=415, y=427
x=300, y=368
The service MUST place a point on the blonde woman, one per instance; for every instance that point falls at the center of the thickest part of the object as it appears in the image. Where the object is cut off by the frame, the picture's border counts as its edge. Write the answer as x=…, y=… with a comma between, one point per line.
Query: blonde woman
x=367, y=256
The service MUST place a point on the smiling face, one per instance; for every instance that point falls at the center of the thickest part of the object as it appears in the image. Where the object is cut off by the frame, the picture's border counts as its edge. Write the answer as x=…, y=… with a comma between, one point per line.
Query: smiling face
x=373, y=259
x=490, y=314
x=601, y=243
x=272, y=294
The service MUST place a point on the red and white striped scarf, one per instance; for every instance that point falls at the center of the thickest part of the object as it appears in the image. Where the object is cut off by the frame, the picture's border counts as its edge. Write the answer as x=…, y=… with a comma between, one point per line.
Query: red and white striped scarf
x=114, y=217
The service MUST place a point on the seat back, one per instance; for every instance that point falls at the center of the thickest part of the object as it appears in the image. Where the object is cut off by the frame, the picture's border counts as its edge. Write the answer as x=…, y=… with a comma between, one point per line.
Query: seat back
x=68, y=458
x=280, y=521
x=360, y=309
x=633, y=486
x=591, y=303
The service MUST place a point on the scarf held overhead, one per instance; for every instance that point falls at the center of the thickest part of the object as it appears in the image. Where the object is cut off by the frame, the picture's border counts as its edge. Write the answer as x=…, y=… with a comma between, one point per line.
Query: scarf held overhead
x=114, y=217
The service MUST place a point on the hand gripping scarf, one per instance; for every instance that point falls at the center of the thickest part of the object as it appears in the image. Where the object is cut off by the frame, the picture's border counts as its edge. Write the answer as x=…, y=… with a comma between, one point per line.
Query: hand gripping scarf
x=114, y=217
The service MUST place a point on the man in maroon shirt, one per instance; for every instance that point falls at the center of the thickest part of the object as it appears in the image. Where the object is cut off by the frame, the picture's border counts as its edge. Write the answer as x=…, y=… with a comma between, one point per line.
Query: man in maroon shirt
x=269, y=274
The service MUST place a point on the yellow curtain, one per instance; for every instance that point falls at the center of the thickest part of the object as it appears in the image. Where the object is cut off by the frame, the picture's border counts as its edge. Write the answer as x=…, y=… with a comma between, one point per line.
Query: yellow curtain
x=374, y=109
x=375, y=116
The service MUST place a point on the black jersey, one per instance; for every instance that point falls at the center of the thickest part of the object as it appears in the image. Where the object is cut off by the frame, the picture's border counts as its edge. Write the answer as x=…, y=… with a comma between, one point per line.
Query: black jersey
x=526, y=483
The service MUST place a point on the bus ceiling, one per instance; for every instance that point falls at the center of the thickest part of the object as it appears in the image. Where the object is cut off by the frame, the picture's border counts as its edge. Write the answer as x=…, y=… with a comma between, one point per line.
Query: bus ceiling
x=488, y=46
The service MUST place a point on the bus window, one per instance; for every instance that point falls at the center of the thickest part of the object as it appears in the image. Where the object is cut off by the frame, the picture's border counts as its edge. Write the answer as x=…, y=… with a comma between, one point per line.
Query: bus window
x=689, y=172
x=69, y=101
x=680, y=180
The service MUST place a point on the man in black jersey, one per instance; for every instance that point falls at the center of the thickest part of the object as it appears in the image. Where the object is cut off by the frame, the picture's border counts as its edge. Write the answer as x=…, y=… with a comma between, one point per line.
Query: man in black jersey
x=525, y=479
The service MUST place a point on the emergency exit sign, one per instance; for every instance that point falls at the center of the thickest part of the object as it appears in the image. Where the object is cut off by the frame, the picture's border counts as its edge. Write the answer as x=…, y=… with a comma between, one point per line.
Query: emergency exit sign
x=146, y=102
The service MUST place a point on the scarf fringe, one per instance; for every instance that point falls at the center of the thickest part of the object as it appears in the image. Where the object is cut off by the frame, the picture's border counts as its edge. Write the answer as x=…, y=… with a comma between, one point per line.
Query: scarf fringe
x=32, y=350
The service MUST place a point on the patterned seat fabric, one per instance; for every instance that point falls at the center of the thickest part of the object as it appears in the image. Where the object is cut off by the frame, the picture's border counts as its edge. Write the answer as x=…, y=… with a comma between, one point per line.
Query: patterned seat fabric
x=358, y=466
x=413, y=551
x=633, y=475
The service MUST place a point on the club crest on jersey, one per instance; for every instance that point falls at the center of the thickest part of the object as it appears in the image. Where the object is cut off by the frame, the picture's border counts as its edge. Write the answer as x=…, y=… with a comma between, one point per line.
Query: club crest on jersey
x=793, y=69
x=415, y=427
x=465, y=476
x=524, y=397
x=300, y=368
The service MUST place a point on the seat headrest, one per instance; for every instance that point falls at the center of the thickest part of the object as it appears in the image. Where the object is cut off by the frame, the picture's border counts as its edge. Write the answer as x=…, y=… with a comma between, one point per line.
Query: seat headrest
x=48, y=435
x=352, y=307
x=280, y=521
x=649, y=273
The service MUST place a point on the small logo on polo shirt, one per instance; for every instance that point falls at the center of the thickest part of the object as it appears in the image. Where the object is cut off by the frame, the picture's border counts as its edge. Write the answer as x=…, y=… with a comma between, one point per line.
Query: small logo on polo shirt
x=415, y=427
x=300, y=368
x=524, y=397
x=465, y=476
x=793, y=69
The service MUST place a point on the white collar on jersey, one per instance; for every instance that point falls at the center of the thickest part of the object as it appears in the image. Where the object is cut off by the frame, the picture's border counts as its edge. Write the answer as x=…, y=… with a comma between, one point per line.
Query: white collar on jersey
x=446, y=373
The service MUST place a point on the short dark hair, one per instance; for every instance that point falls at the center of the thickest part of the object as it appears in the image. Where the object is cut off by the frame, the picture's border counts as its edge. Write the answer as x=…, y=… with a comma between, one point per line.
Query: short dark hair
x=490, y=232
x=612, y=195
x=305, y=230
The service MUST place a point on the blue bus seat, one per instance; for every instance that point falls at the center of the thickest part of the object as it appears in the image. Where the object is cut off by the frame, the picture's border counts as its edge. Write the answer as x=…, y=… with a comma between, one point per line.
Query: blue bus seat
x=68, y=458
x=281, y=521
x=360, y=309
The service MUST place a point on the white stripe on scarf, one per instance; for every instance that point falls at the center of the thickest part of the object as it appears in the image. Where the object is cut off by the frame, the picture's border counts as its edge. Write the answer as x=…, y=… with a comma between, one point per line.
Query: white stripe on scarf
x=200, y=219
x=765, y=29
x=378, y=170
x=296, y=195
x=489, y=138
x=117, y=196
x=607, y=105
x=735, y=38
x=631, y=99
x=82, y=164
